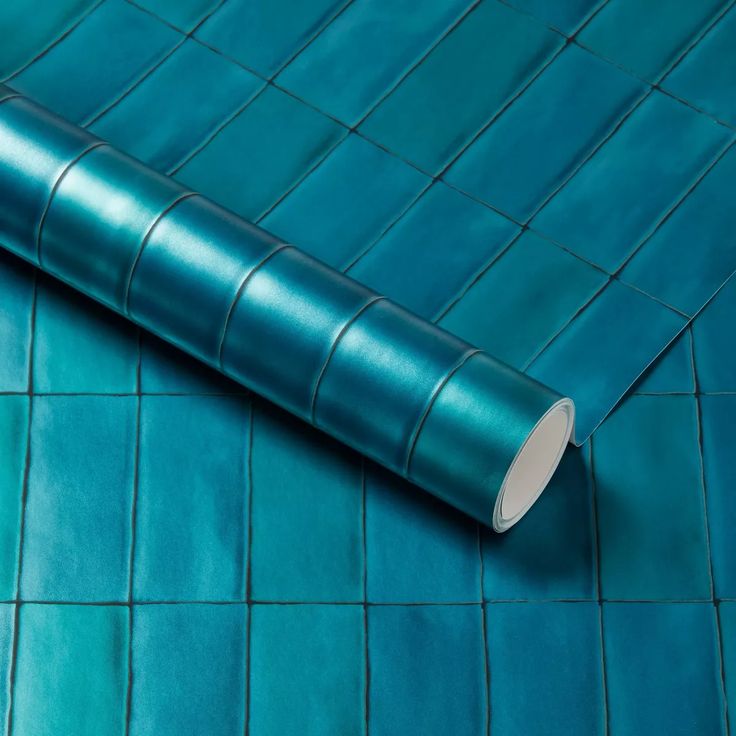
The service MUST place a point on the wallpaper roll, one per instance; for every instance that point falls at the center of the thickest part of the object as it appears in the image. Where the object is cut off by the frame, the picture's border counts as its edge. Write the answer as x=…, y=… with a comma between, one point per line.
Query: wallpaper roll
x=425, y=404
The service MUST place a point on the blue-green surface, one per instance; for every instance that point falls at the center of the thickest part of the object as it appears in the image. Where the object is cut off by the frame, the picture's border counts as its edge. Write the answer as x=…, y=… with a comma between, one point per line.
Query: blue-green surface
x=542, y=665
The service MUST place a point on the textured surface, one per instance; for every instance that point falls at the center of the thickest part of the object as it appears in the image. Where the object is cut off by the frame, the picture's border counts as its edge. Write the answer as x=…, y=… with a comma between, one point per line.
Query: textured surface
x=523, y=610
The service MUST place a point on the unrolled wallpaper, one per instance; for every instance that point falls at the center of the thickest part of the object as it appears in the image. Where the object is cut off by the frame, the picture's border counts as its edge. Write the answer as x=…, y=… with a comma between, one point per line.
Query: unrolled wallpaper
x=301, y=303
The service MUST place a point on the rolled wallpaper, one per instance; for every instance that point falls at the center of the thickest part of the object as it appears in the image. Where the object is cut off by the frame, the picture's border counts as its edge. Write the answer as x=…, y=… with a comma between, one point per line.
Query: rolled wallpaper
x=429, y=406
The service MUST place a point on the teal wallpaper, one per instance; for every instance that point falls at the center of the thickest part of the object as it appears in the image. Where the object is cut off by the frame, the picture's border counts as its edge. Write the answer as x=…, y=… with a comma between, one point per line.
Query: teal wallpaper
x=179, y=556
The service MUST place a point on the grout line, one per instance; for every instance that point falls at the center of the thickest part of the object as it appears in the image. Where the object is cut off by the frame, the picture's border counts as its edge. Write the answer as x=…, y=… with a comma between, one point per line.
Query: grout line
x=239, y=293
x=333, y=349
x=23, y=507
x=44, y=214
x=55, y=42
x=419, y=426
x=484, y=630
x=186, y=36
x=249, y=570
x=706, y=524
x=366, y=655
x=598, y=583
x=246, y=394
x=144, y=242
x=133, y=525
x=370, y=604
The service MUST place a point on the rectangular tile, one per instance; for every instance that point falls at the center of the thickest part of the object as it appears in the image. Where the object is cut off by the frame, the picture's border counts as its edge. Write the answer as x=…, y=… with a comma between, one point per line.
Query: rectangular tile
x=189, y=667
x=306, y=517
x=77, y=537
x=16, y=304
x=183, y=119
x=718, y=416
x=72, y=670
x=460, y=85
x=418, y=548
x=662, y=669
x=427, y=670
x=79, y=346
x=14, y=431
x=692, y=253
x=616, y=199
x=705, y=77
x=586, y=361
x=536, y=143
x=78, y=91
x=545, y=668
x=715, y=353
x=434, y=250
x=622, y=32
x=364, y=52
x=550, y=555
x=346, y=202
x=191, y=513
x=263, y=36
x=523, y=300
x=307, y=667
x=279, y=137
x=650, y=501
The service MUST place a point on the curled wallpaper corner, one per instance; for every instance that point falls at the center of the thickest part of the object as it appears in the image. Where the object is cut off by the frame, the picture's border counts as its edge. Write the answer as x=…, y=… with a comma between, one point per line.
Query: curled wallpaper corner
x=450, y=418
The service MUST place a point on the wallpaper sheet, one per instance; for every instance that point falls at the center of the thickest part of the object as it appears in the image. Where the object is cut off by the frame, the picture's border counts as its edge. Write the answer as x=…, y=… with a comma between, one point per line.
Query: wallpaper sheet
x=151, y=580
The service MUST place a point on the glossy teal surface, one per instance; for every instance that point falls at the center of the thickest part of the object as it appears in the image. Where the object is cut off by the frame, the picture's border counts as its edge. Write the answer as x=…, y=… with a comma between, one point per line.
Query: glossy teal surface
x=325, y=527
x=114, y=229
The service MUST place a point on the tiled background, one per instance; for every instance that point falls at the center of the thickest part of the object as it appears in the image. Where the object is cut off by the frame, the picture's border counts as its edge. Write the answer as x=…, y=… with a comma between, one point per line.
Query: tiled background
x=151, y=582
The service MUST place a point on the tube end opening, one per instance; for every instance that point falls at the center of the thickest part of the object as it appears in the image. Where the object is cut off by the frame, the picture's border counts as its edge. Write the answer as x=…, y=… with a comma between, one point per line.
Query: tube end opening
x=534, y=465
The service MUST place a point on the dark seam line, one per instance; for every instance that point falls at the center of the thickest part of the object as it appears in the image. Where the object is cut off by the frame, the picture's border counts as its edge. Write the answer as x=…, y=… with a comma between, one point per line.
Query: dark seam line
x=322, y=158
x=529, y=362
x=133, y=528
x=129, y=281
x=366, y=646
x=692, y=42
x=455, y=300
x=95, y=116
x=378, y=604
x=268, y=81
x=676, y=205
x=312, y=38
x=248, y=569
x=523, y=87
x=408, y=71
x=313, y=403
x=551, y=26
x=56, y=41
x=245, y=393
x=414, y=436
x=186, y=36
x=224, y=123
x=357, y=257
x=598, y=585
x=484, y=630
x=54, y=189
x=706, y=530
x=23, y=510
x=239, y=293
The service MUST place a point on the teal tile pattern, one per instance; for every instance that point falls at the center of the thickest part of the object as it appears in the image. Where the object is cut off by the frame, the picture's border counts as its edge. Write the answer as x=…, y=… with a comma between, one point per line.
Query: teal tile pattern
x=201, y=648
x=401, y=614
